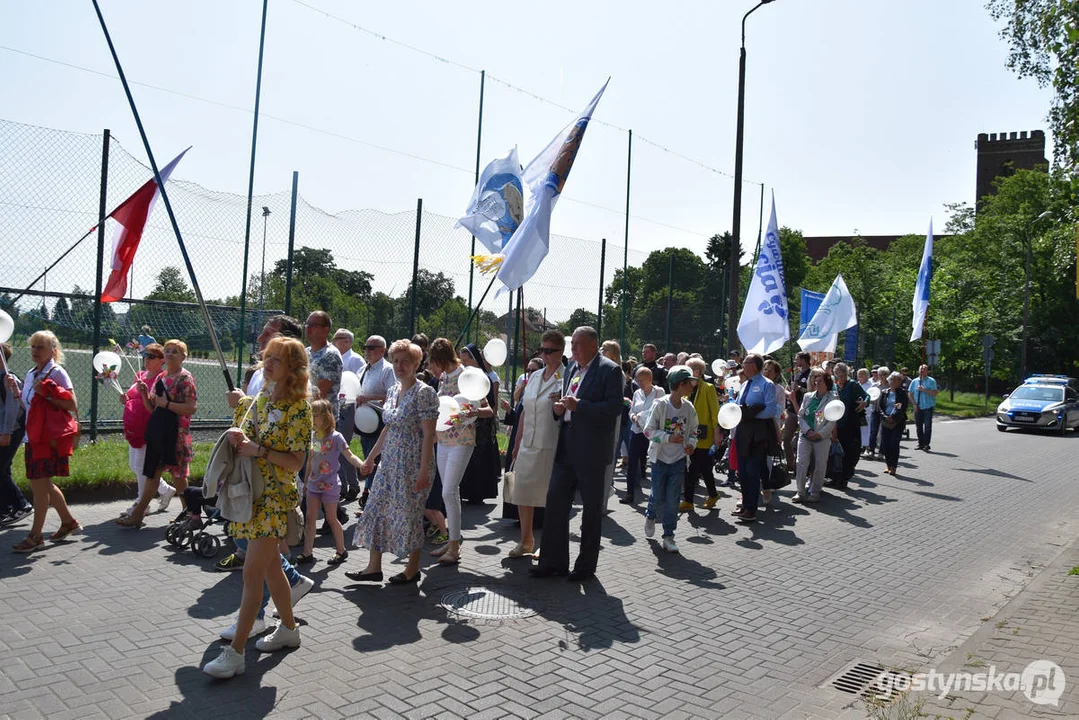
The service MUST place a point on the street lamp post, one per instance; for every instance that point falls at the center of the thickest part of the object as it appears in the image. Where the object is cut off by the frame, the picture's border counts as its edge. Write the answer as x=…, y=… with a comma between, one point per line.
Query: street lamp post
x=257, y=327
x=736, y=223
x=1026, y=295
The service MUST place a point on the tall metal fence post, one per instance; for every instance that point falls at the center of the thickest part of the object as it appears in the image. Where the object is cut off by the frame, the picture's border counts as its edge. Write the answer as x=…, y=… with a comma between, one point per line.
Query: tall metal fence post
x=415, y=269
x=479, y=143
x=291, y=242
x=599, y=310
x=625, y=251
x=250, y=194
x=670, y=298
x=101, y=210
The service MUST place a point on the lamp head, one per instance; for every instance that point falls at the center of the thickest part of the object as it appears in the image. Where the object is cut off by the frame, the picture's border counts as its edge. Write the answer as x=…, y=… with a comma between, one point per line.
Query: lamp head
x=265, y=211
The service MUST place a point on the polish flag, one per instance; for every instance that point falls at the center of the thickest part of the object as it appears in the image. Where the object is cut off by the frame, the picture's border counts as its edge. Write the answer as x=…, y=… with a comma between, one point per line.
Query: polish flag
x=131, y=215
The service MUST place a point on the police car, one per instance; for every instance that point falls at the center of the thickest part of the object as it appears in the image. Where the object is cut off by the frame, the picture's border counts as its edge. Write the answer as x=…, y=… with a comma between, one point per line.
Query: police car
x=1042, y=402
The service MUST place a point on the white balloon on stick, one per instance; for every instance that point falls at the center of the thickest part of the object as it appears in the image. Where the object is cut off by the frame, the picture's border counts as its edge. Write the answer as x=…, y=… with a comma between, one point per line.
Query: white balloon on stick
x=474, y=384
x=494, y=352
x=834, y=410
x=7, y=328
x=350, y=387
x=874, y=393
x=719, y=367
x=729, y=415
x=366, y=419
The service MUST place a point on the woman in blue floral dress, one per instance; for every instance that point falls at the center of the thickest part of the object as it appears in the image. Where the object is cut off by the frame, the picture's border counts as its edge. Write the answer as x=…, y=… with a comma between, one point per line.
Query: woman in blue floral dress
x=391, y=522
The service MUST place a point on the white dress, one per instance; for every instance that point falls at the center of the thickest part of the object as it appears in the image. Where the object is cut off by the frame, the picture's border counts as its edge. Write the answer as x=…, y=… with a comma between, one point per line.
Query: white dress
x=535, y=459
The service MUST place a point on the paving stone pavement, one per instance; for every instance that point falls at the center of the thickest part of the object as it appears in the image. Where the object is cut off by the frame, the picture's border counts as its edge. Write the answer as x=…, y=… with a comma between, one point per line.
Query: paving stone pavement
x=747, y=622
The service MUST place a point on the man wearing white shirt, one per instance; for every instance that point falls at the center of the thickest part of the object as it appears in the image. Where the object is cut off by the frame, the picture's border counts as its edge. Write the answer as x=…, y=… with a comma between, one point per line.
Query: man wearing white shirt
x=376, y=379
x=346, y=418
x=352, y=361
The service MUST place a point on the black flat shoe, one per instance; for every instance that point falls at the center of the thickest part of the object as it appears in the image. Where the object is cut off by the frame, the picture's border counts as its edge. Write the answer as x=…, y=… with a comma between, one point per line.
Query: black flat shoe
x=542, y=572
x=580, y=576
x=364, y=577
x=338, y=558
x=402, y=579
x=305, y=560
x=627, y=501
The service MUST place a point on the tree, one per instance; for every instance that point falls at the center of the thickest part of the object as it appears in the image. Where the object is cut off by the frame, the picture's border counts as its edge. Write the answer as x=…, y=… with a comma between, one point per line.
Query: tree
x=1044, y=40
x=171, y=286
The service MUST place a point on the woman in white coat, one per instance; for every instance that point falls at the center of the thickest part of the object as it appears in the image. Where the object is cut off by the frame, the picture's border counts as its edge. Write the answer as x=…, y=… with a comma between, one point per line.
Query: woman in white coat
x=537, y=439
x=814, y=436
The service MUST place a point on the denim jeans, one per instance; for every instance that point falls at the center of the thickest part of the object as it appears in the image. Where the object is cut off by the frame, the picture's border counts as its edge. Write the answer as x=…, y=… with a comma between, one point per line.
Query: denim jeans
x=874, y=431
x=667, y=479
x=291, y=573
x=638, y=456
x=750, y=470
x=923, y=424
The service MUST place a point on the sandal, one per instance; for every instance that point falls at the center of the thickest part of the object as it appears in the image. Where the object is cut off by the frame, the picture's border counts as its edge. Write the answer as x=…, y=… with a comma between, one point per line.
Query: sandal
x=451, y=556
x=130, y=521
x=305, y=560
x=521, y=551
x=30, y=544
x=338, y=558
x=65, y=530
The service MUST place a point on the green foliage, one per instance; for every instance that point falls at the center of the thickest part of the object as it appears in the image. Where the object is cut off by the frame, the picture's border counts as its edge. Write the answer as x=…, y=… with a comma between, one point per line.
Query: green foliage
x=1044, y=40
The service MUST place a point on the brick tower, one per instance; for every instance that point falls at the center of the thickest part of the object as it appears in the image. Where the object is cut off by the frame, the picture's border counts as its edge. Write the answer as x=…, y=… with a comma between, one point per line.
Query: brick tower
x=1000, y=155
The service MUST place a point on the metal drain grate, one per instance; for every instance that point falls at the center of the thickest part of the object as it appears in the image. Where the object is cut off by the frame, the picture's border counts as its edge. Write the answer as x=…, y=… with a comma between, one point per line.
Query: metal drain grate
x=483, y=603
x=871, y=680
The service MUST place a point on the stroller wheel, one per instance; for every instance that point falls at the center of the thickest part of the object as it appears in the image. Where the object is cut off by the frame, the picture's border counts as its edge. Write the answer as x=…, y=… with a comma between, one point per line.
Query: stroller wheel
x=172, y=535
x=206, y=545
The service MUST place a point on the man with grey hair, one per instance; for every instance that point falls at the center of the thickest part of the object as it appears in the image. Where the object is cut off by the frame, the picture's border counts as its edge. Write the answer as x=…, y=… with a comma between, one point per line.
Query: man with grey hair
x=587, y=414
x=375, y=382
x=352, y=361
x=669, y=361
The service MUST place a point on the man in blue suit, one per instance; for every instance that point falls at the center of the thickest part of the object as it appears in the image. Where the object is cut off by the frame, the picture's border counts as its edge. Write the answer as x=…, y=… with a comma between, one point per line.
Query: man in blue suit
x=587, y=415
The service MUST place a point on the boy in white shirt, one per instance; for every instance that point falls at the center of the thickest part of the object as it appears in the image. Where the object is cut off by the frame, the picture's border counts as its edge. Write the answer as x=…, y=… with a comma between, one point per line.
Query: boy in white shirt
x=672, y=433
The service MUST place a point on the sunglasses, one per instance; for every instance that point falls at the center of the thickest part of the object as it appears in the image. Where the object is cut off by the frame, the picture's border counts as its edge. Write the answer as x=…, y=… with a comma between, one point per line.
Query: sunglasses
x=150, y=356
x=548, y=351
x=372, y=347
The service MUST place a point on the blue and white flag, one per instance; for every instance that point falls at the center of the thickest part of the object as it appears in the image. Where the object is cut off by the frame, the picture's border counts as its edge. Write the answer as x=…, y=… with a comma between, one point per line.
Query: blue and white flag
x=921, y=290
x=763, y=326
x=835, y=314
x=497, y=206
x=544, y=179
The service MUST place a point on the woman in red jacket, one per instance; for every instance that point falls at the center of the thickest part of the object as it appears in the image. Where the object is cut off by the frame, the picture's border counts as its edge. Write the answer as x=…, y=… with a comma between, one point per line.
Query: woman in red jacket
x=50, y=433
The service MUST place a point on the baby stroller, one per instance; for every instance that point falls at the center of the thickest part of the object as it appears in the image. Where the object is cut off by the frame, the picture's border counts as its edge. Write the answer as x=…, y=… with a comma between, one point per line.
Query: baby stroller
x=190, y=530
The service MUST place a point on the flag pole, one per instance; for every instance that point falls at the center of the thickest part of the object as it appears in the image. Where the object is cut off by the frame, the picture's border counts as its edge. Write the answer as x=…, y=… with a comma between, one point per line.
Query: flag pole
x=476, y=309
x=250, y=193
x=165, y=198
x=57, y=262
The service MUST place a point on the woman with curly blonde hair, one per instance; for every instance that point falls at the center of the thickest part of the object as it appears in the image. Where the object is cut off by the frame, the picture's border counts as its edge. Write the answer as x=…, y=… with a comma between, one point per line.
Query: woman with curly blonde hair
x=276, y=431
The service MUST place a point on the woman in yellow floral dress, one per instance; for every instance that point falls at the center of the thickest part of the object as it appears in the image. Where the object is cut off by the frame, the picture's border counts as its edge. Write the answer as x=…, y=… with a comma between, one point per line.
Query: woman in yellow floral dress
x=276, y=431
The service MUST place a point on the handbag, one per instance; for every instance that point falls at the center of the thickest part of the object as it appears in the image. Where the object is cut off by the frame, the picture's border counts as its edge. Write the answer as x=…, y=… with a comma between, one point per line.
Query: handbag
x=508, y=480
x=889, y=422
x=780, y=476
x=294, y=527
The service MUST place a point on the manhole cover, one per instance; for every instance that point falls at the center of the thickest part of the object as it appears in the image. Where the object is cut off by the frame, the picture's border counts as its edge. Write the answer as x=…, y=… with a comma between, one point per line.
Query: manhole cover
x=488, y=604
x=872, y=681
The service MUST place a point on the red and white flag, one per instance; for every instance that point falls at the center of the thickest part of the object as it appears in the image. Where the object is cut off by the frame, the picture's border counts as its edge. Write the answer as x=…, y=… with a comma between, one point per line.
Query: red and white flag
x=131, y=214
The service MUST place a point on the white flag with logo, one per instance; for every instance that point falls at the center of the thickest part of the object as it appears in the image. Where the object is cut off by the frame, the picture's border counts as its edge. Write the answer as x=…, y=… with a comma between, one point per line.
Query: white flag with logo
x=763, y=326
x=835, y=314
x=497, y=206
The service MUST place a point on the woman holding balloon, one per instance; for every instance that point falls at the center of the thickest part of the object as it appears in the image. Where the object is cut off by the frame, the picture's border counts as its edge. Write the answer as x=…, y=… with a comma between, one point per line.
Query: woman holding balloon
x=136, y=415
x=814, y=435
x=484, y=469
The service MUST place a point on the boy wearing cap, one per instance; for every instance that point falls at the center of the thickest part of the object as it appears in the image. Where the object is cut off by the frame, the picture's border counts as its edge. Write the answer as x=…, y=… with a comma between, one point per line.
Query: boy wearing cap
x=671, y=430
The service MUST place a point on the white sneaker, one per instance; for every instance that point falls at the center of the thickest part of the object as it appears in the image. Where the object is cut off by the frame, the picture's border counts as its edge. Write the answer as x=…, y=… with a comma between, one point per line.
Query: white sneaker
x=669, y=545
x=279, y=639
x=227, y=664
x=298, y=591
x=130, y=510
x=649, y=527
x=258, y=628
x=164, y=499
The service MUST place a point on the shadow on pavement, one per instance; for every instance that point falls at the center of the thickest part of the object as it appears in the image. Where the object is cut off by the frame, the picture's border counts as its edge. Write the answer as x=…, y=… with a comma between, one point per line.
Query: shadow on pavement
x=243, y=695
x=993, y=473
x=839, y=507
x=679, y=567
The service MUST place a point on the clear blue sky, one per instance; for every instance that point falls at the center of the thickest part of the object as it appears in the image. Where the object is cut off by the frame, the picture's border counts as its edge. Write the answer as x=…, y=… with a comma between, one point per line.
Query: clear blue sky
x=860, y=115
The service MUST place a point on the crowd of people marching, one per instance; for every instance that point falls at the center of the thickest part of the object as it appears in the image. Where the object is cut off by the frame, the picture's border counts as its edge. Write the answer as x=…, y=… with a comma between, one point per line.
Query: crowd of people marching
x=572, y=419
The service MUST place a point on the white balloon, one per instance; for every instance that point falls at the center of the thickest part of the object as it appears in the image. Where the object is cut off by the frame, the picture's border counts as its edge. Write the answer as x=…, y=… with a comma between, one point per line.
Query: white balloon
x=494, y=352
x=834, y=410
x=106, y=358
x=350, y=387
x=7, y=326
x=366, y=419
x=463, y=404
x=729, y=415
x=474, y=384
x=719, y=367
x=874, y=393
x=568, y=352
x=447, y=406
